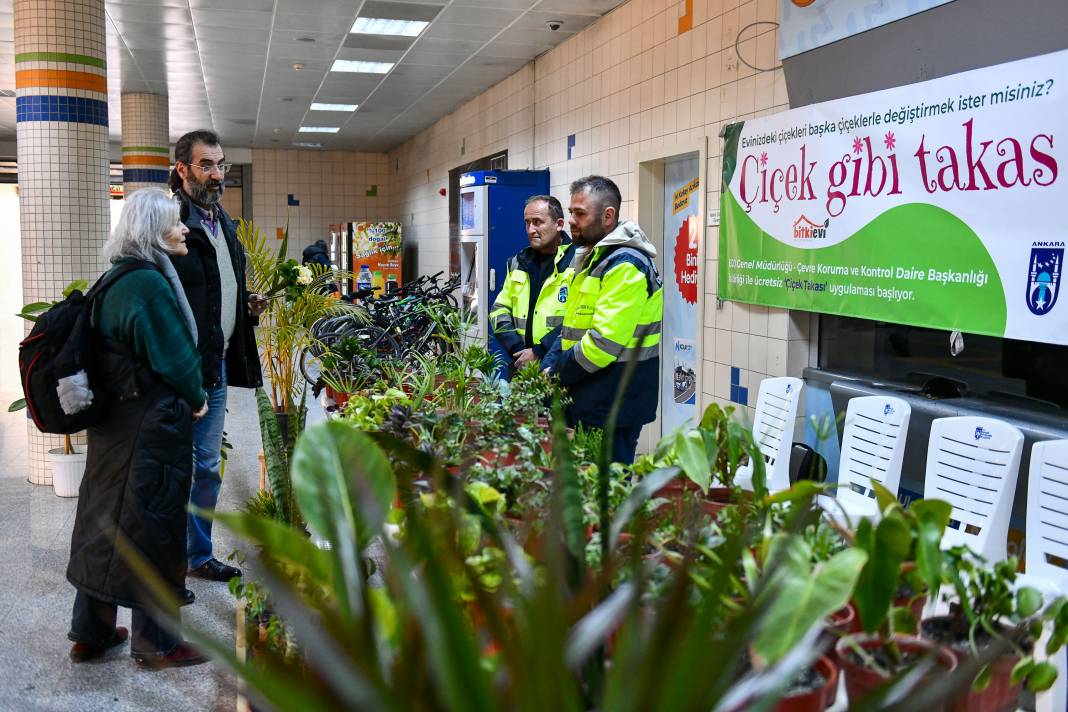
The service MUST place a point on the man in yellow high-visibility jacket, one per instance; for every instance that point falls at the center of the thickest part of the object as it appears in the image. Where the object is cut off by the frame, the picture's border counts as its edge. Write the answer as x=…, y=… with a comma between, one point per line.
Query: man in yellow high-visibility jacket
x=614, y=308
x=529, y=309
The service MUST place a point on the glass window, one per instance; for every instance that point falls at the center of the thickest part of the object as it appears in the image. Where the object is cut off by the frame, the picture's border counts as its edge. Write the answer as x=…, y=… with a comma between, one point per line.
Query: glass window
x=1023, y=372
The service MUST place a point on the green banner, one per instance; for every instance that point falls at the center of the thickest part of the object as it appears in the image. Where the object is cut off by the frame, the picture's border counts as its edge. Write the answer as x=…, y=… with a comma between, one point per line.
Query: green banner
x=934, y=205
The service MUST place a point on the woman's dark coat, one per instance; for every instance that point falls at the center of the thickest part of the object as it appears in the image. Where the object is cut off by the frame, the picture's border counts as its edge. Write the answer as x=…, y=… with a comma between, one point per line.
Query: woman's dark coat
x=136, y=485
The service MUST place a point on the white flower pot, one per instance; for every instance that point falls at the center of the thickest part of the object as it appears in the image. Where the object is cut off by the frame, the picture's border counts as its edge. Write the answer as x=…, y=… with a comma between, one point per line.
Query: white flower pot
x=67, y=471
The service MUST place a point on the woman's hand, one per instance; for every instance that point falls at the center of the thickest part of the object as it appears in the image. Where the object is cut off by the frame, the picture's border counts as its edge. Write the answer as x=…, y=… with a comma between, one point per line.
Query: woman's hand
x=202, y=412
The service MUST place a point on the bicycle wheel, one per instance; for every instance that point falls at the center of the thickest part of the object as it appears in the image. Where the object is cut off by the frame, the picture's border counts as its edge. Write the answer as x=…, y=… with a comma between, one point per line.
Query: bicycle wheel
x=376, y=340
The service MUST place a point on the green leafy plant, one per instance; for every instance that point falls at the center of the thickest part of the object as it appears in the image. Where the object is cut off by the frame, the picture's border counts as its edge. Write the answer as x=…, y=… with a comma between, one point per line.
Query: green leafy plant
x=989, y=606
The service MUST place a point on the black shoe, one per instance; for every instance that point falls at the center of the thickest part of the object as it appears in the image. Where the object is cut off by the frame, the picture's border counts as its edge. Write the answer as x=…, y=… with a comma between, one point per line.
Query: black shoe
x=182, y=656
x=186, y=597
x=215, y=570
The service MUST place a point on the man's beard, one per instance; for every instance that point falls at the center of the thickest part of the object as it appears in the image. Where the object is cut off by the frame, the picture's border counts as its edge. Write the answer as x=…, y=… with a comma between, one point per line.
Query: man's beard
x=204, y=194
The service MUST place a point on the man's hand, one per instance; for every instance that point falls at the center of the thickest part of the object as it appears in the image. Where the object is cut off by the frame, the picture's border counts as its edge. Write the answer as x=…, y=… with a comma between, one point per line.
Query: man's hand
x=256, y=304
x=202, y=412
x=524, y=357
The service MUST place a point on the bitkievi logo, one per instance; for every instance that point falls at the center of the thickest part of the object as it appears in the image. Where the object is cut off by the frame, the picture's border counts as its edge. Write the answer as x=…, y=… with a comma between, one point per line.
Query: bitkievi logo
x=982, y=433
x=805, y=229
x=1044, y=276
x=888, y=409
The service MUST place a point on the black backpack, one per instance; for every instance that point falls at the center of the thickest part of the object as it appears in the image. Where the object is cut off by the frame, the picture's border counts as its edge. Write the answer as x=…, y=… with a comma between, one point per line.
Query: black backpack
x=63, y=379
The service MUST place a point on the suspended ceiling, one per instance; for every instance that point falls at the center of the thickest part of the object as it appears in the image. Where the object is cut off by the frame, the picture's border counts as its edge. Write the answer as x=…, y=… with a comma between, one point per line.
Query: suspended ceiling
x=229, y=64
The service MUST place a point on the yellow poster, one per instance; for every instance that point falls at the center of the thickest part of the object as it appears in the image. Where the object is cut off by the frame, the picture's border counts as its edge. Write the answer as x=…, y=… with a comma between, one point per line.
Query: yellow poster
x=376, y=255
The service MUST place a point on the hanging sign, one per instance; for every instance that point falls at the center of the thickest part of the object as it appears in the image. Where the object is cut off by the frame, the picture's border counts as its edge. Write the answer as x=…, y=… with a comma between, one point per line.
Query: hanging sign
x=938, y=204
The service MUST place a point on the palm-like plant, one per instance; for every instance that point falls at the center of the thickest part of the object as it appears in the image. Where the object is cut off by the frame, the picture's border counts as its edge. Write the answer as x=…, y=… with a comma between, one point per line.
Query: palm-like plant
x=297, y=297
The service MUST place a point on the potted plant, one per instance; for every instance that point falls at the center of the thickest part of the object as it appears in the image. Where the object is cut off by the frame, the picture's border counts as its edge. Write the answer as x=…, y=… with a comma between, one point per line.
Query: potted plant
x=297, y=297
x=987, y=608
x=708, y=455
x=901, y=536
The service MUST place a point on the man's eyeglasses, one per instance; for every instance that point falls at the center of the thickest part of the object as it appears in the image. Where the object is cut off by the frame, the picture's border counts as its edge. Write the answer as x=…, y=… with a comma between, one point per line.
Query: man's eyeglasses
x=207, y=168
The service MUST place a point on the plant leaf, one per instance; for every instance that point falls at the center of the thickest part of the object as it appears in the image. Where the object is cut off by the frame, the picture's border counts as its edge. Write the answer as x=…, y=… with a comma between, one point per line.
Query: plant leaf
x=638, y=496
x=335, y=463
x=690, y=449
x=16, y=405
x=804, y=600
x=1041, y=677
x=1021, y=670
x=929, y=547
x=1028, y=601
x=888, y=547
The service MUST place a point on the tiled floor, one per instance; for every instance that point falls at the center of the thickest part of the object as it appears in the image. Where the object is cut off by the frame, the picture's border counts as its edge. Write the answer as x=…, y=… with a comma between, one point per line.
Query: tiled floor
x=35, y=598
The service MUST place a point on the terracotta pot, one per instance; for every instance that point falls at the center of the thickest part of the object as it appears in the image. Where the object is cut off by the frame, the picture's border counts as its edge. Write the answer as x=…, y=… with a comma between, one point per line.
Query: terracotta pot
x=340, y=399
x=845, y=620
x=816, y=700
x=680, y=489
x=624, y=537
x=999, y=696
x=861, y=680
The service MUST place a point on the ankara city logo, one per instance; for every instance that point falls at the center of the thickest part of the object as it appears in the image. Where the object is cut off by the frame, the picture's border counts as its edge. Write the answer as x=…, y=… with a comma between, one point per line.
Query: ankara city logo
x=1044, y=278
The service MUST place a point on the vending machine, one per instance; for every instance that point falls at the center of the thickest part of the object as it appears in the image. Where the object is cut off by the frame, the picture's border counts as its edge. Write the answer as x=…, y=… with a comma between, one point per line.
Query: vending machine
x=491, y=231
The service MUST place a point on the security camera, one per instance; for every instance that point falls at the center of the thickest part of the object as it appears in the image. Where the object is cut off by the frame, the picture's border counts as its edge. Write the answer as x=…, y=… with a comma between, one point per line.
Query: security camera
x=554, y=25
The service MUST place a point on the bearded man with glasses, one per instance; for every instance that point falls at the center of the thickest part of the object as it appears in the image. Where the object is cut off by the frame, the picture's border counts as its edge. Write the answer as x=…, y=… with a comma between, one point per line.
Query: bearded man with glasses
x=213, y=276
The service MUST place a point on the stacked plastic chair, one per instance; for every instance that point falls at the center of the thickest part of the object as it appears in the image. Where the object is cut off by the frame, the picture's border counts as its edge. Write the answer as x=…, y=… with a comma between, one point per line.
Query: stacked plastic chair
x=973, y=463
x=773, y=430
x=873, y=447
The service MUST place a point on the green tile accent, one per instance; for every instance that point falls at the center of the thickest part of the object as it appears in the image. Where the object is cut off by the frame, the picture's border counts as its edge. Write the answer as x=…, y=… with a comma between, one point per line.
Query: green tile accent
x=372, y=192
x=463, y=146
x=61, y=57
x=146, y=149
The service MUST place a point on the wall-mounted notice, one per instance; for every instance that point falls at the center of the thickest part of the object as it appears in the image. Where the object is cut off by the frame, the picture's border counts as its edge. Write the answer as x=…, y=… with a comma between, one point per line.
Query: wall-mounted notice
x=937, y=204
x=808, y=24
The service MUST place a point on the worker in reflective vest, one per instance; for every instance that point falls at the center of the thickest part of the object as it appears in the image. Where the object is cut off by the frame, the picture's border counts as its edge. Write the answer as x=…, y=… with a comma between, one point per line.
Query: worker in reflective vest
x=529, y=309
x=614, y=308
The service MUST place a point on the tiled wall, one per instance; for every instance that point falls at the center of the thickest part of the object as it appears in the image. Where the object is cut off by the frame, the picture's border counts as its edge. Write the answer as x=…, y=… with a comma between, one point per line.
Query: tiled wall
x=501, y=118
x=628, y=84
x=316, y=189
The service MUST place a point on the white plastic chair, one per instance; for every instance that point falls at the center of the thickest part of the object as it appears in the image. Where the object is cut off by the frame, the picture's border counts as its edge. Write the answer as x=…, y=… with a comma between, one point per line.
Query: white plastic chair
x=773, y=430
x=873, y=447
x=1047, y=547
x=973, y=464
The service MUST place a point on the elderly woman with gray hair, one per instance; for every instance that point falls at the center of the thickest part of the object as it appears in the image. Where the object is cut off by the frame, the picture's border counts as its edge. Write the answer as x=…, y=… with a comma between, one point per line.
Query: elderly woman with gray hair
x=131, y=506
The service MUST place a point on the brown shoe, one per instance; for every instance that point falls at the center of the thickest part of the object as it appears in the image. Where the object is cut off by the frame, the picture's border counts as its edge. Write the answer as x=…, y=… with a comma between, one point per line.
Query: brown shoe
x=83, y=652
x=183, y=655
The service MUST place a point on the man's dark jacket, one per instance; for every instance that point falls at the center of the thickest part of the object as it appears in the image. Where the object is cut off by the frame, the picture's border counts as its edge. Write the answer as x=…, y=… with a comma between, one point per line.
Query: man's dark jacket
x=199, y=274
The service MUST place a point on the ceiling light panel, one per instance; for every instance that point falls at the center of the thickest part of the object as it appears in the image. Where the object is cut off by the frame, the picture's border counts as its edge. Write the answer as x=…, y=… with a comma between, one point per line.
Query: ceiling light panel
x=319, y=129
x=319, y=106
x=361, y=66
x=384, y=26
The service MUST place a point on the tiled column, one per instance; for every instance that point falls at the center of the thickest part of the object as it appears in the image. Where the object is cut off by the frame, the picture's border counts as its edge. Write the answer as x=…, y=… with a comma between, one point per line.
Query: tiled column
x=145, y=132
x=62, y=115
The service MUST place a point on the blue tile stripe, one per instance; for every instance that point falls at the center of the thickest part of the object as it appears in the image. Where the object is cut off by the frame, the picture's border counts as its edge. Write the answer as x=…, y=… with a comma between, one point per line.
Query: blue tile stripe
x=144, y=175
x=73, y=109
x=739, y=394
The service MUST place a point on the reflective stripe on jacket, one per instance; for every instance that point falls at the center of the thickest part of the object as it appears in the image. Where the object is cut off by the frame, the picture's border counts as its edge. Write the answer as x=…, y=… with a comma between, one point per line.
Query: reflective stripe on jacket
x=509, y=316
x=614, y=311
